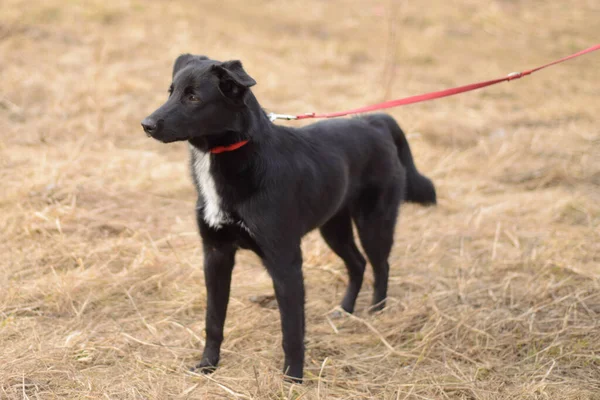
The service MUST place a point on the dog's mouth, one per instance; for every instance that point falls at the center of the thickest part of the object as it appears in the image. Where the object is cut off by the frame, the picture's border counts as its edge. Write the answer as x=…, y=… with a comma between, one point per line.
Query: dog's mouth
x=168, y=137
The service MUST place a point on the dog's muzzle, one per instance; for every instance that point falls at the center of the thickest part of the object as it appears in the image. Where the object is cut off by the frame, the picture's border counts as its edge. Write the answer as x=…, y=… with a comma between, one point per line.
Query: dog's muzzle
x=152, y=127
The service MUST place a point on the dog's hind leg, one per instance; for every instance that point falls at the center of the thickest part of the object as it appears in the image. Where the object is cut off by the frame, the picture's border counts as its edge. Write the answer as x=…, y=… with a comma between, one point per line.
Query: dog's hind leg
x=375, y=216
x=218, y=266
x=337, y=233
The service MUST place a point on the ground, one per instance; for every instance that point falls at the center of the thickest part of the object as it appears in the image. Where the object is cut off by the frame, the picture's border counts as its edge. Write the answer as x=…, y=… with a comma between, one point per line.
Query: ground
x=494, y=293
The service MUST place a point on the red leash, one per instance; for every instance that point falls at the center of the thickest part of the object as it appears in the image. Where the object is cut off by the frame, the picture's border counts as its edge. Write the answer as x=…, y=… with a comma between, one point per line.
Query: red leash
x=432, y=95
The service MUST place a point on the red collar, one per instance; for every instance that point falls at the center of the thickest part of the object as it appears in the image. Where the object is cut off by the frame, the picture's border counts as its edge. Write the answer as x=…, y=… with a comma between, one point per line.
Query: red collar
x=231, y=147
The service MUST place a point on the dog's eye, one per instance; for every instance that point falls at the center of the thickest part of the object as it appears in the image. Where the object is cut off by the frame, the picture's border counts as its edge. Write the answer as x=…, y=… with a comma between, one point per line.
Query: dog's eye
x=193, y=98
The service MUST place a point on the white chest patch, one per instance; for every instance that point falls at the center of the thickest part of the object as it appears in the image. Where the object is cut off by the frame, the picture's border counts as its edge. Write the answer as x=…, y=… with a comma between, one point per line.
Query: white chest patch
x=213, y=213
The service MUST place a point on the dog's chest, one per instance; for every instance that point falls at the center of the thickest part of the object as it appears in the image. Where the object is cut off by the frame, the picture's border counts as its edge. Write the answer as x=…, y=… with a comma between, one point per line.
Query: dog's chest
x=213, y=212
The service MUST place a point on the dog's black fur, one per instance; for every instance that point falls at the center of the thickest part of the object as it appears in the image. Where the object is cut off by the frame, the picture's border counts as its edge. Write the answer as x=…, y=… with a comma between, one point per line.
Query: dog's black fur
x=284, y=183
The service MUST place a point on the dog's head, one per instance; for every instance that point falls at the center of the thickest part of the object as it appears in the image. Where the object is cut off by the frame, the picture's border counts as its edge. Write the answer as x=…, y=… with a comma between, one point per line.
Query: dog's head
x=205, y=98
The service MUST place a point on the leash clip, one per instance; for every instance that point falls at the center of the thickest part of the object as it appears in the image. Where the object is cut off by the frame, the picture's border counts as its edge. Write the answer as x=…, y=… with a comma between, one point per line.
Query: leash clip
x=273, y=117
x=514, y=75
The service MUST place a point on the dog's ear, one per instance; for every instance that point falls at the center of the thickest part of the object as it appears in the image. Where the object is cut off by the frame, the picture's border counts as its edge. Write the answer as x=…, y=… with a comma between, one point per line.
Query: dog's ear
x=233, y=80
x=184, y=60
x=234, y=72
x=181, y=62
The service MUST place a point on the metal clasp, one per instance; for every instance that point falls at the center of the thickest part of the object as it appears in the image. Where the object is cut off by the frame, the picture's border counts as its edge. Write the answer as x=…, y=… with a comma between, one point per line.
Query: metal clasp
x=273, y=117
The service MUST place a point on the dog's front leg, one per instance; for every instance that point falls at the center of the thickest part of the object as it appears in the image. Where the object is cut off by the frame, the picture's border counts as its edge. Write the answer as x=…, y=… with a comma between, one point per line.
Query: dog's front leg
x=218, y=265
x=286, y=272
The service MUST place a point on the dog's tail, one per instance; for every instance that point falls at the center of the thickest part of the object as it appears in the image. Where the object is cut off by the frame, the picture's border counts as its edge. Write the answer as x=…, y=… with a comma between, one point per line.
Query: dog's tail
x=419, y=188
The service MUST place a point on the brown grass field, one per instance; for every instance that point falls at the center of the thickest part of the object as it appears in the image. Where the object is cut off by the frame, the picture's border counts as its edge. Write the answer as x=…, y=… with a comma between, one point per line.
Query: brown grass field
x=494, y=293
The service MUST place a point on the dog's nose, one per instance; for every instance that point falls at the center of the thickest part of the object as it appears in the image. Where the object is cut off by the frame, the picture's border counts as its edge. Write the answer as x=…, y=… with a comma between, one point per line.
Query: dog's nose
x=150, y=126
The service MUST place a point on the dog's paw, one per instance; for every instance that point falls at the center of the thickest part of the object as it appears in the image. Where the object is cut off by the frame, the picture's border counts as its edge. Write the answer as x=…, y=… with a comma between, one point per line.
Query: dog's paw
x=377, y=307
x=293, y=375
x=204, y=367
x=293, y=379
x=340, y=312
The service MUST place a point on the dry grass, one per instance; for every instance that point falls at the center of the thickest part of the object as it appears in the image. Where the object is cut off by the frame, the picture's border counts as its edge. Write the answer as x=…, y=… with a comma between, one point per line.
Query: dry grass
x=494, y=294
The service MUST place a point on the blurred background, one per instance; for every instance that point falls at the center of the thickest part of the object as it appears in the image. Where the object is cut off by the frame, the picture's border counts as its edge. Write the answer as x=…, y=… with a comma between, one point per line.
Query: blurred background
x=493, y=293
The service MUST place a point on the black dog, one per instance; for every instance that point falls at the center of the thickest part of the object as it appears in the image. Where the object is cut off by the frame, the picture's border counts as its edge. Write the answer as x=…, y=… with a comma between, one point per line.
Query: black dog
x=263, y=187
